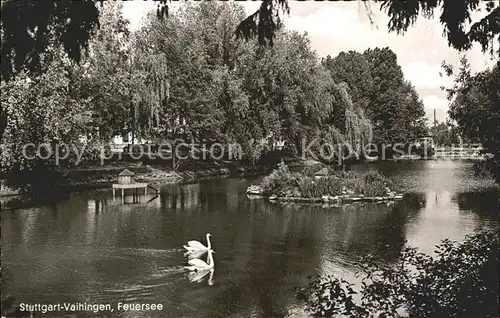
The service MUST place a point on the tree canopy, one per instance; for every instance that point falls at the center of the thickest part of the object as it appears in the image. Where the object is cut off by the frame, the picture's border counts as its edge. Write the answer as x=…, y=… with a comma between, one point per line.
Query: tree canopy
x=28, y=28
x=376, y=83
x=189, y=76
x=182, y=77
x=28, y=25
x=475, y=107
x=446, y=134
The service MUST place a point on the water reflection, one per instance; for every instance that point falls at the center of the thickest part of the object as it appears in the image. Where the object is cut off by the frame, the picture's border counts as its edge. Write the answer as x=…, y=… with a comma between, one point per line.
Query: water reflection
x=197, y=277
x=194, y=254
x=92, y=248
x=451, y=215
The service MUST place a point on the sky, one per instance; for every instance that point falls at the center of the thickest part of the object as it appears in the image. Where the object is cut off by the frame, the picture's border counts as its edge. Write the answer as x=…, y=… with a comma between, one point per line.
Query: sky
x=334, y=27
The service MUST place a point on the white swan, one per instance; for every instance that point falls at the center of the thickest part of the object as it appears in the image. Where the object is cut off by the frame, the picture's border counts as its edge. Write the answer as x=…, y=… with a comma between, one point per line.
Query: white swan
x=199, y=265
x=197, y=246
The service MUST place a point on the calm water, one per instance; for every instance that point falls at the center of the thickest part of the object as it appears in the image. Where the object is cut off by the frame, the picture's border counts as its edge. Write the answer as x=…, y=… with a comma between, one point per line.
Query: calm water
x=91, y=248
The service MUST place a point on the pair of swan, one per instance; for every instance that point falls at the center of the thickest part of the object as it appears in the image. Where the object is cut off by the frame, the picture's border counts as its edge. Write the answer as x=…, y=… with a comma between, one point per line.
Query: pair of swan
x=194, y=250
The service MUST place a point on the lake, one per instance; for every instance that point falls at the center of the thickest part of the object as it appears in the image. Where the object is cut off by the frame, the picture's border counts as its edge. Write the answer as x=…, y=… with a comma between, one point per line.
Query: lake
x=91, y=248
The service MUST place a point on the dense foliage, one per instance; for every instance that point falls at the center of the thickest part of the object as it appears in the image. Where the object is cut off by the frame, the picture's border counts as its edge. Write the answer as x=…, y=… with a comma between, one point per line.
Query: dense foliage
x=43, y=113
x=460, y=280
x=376, y=83
x=183, y=77
x=446, y=134
x=227, y=90
x=189, y=77
x=475, y=107
x=27, y=26
x=52, y=112
x=283, y=182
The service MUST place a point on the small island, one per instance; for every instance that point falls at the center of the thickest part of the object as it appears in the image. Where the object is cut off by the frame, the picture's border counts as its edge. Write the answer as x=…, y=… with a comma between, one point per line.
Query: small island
x=325, y=186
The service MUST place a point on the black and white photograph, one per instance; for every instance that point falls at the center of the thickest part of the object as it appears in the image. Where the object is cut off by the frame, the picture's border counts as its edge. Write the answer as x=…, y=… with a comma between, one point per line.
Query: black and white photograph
x=273, y=158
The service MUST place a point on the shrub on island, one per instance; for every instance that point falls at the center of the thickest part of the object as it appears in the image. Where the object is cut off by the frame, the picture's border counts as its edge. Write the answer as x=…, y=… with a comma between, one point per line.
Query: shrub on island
x=283, y=183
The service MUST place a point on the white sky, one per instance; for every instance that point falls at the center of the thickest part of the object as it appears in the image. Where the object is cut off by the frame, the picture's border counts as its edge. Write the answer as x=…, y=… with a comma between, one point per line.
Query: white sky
x=342, y=26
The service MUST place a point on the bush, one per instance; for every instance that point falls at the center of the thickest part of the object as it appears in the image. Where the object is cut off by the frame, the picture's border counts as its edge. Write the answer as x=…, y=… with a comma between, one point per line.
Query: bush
x=41, y=178
x=374, y=184
x=460, y=281
x=282, y=180
x=329, y=298
x=489, y=167
x=311, y=188
x=31, y=174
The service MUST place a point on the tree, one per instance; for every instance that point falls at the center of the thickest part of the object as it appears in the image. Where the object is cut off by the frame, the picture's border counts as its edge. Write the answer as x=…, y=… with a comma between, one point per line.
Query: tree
x=61, y=103
x=353, y=69
x=187, y=55
x=288, y=89
x=191, y=75
x=44, y=114
x=188, y=76
x=376, y=84
x=475, y=107
x=28, y=28
x=228, y=90
x=392, y=101
x=26, y=25
x=445, y=134
x=104, y=78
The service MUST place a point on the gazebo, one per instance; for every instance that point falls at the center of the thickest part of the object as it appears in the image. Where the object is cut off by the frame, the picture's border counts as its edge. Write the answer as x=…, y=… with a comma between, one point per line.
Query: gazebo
x=126, y=181
x=126, y=177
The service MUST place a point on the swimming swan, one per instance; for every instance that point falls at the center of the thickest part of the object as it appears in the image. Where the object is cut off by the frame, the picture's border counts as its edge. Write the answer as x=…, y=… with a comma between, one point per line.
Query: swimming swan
x=197, y=246
x=199, y=265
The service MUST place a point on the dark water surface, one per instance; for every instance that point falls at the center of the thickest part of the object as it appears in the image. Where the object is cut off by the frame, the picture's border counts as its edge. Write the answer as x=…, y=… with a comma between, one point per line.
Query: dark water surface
x=93, y=249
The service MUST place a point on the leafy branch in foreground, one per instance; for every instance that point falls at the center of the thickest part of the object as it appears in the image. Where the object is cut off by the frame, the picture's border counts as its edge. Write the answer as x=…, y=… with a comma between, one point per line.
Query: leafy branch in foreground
x=460, y=280
x=29, y=26
x=264, y=23
x=455, y=17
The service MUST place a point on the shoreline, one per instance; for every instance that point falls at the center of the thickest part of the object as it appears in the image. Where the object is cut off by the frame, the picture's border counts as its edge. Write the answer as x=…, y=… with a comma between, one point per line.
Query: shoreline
x=170, y=177
x=326, y=199
x=101, y=177
x=105, y=176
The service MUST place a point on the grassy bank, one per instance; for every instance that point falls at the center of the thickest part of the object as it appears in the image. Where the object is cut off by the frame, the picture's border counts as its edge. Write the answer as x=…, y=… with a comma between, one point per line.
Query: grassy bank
x=50, y=181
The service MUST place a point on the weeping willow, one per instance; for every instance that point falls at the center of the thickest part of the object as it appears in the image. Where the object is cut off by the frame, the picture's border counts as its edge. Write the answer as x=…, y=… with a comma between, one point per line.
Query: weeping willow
x=348, y=136
x=358, y=129
x=154, y=91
